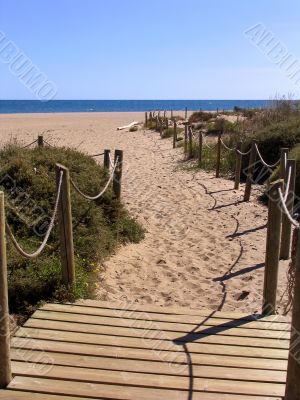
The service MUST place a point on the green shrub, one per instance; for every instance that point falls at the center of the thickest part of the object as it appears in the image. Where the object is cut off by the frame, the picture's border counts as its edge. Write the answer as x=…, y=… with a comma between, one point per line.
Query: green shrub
x=272, y=138
x=201, y=116
x=167, y=133
x=28, y=180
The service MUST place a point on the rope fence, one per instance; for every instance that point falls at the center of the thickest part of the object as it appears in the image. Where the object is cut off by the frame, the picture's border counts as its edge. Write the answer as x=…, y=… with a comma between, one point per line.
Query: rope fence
x=87, y=197
x=263, y=161
x=28, y=145
x=47, y=235
x=281, y=220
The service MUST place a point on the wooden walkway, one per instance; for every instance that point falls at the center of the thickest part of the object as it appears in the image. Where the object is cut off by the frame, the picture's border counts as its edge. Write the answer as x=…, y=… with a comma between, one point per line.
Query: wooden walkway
x=101, y=350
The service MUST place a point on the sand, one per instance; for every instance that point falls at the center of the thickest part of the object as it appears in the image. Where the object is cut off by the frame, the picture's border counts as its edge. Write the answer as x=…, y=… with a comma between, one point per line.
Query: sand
x=203, y=248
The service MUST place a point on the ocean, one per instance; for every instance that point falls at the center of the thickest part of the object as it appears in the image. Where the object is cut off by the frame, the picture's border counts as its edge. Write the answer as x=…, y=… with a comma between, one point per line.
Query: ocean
x=56, y=106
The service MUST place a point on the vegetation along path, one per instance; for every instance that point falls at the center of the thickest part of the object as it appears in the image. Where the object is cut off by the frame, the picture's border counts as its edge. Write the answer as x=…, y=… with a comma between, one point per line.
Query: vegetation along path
x=204, y=248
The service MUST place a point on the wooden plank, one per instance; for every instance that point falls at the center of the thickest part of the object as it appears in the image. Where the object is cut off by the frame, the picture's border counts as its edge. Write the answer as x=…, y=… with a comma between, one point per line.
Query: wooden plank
x=161, y=334
x=179, y=310
x=166, y=326
x=151, y=367
x=119, y=392
x=18, y=395
x=149, y=380
x=188, y=319
x=147, y=354
x=153, y=344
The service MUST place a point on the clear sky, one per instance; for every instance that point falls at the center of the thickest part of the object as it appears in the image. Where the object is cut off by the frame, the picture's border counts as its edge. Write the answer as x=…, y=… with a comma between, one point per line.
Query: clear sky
x=142, y=49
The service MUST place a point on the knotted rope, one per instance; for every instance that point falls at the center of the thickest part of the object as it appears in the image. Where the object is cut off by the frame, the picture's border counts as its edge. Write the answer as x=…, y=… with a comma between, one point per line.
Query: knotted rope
x=50, y=227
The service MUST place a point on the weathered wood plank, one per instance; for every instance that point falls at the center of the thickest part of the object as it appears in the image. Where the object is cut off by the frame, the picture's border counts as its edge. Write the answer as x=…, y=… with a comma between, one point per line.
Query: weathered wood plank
x=119, y=392
x=163, y=317
x=147, y=354
x=20, y=395
x=151, y=367
x=179, y=310
x=166, y=326
x=148, y=380
x=147, y=333
x=154, y=344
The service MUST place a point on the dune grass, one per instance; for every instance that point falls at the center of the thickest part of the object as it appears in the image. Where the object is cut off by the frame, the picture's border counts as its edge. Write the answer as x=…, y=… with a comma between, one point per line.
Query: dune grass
x=28, y=181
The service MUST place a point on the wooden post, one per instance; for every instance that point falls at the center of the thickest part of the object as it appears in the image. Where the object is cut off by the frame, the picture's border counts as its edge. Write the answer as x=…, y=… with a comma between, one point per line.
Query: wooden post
x=156, y=124
x=292, y=389
x=238, y=166
x=65, y=226
x=272, y=249
x=174, y=134
x=164, y=114
x=106, y=162
x=190, y=142
x=160, y=127
x=146, y=119
x=218, y=164
x=283, y=158
x=5, y=363
x=286, y=225
x=40, y=141
x=185, y=114
x=185, y=138
x=200, y=149
x=117, y=180
x=171, y=114
x=250, y=171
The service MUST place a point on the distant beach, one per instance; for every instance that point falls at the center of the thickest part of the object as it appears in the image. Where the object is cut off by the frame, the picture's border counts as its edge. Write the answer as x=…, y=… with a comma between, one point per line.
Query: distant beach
x=60, y=106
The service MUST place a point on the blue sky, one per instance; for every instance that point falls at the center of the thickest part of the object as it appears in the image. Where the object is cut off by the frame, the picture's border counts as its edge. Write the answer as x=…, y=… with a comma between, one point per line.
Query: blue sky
x=158, y=49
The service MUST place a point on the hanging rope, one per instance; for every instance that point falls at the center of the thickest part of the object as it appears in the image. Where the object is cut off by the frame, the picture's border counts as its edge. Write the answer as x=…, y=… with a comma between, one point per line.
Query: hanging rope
x=263, y=161
x=87, y=197
x=243, y=154
x=50, y=145
x=291, y=274
x=226, y=147
x=50, y=227
x=286, y=211
x=287, y=185
x=96, y=155
x=28, y=145
x=110, y=161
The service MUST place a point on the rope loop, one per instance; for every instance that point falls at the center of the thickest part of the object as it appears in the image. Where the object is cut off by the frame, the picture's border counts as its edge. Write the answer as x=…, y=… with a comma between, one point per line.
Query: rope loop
x=263, y=161
x=226, y=147
x=28, y=145
x=286, y=211
x=96, y=155
x=243, y=154
x=50, y=227
x=87, y=197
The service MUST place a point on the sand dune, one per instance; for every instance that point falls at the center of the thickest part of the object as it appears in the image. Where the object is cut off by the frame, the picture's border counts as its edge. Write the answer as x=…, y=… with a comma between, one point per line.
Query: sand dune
x=204, y=248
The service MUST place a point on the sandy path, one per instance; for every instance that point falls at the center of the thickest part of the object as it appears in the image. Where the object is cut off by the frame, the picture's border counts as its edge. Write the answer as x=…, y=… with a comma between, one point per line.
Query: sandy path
x=203, y=247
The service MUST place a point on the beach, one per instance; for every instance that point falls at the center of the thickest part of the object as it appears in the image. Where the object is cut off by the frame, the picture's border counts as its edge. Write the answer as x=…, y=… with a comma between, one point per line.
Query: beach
x=204, y=248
